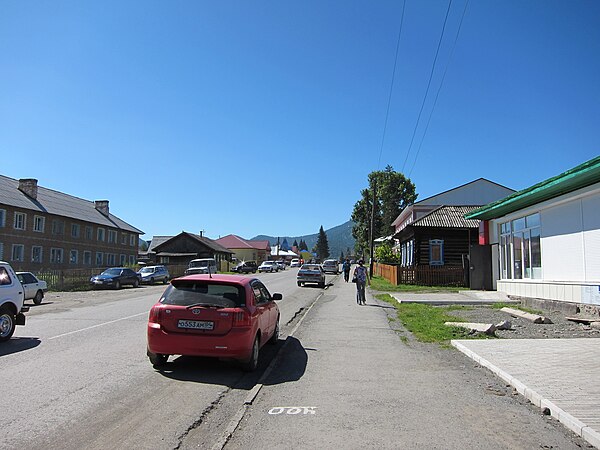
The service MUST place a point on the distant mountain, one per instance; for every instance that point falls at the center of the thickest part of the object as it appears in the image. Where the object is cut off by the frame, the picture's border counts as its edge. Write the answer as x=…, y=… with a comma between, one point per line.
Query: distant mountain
x=339, y=239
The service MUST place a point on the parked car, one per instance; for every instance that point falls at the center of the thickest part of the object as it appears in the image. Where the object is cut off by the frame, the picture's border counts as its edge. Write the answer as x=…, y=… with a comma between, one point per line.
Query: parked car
x=245, y=267
x=331, y=265
x=11, y=302
x=202, y=265
x=268, y=266
x=34, y=288
x=281, y=265
x=295, y=263
x=115, y=277
x=154, y=274
x=224, y=316
x=311, y=273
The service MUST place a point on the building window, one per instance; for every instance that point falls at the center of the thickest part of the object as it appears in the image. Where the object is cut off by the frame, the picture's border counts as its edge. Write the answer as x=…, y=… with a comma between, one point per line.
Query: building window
x=89, y=233
x=164, y=260
x=123, y=260
x=2, y=217
x=39, y=224
x=73, y=256
x=36, y=254
x=436, y=252
x=112, y=236
x=75, y=230
x=56, y=255
x=406, y=250
x=100, y=235
x=20, y=221
x=87, y=258
x=520, y=248
x=1, y=251
x=99, y=258
x=123, y=238
x=132, y=240
x=18, y=252
x=58, y=227
x=131, y=260
x=110, y=259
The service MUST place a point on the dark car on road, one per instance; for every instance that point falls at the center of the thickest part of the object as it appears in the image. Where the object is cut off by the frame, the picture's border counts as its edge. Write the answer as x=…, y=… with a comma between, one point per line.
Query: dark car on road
x=115, y=277
x=245, y=267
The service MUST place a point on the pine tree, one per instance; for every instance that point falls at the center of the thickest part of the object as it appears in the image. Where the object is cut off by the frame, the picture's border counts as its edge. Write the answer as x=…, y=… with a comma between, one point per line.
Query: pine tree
x=322, y=245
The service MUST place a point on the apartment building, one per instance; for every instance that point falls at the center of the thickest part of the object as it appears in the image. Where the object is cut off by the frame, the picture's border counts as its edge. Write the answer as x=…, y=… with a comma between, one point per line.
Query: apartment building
x=45, y=229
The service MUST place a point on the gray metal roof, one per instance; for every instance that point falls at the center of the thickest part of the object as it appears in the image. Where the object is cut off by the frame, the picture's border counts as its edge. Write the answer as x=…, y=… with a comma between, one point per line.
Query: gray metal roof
x=210, y=243
x=448, y=217
x=58, y=203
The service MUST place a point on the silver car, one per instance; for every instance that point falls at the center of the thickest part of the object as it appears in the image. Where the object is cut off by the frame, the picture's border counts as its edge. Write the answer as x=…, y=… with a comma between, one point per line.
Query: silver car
x=331, y=265
x=311, y=273
x=154, y=274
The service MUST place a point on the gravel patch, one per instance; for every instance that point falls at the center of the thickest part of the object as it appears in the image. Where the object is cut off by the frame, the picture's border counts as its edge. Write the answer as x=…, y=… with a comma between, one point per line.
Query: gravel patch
x=561, y=328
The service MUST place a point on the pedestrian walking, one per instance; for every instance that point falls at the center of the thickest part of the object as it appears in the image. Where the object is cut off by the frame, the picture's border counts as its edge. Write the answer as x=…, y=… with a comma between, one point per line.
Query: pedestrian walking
x=361, y=278
x=346, y=269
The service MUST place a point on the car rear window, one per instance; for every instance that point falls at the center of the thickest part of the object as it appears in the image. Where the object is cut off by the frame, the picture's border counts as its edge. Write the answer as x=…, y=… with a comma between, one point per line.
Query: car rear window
x=187, y=293
x=310, y=267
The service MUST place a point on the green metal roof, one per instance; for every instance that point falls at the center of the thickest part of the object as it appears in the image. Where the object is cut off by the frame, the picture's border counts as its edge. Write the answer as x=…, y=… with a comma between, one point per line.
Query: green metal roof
x=579, y=177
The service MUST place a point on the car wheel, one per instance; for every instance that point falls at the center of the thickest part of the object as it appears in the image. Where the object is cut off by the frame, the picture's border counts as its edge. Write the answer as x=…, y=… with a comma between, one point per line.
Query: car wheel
x=165, y=280
x=275, y=338
x=117, y=285
x=39, y=295
x=321, y=285
x=7, y=324
x=157, y=359
x=252, y=363
x=299, y=284
x=136, y=283
x=151, y=280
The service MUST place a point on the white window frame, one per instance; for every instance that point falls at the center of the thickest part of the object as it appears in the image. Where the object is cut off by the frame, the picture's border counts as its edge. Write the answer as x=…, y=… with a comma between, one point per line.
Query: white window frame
x=21, y=256
x=41, y=259
x=2, y=218
x=20, y=221
x=89, y=232
x=131, y=259
x=100, y=234
x=111, y=259
x=87, y=258
x=56, y=255
x=100, y=257
x=75, y=253
x=123, y=238
x=1, y=251
x=112, y=237
x=440, y=243
x=123, y=260
x=75, y=230
x=39, y=223
x=132, y=240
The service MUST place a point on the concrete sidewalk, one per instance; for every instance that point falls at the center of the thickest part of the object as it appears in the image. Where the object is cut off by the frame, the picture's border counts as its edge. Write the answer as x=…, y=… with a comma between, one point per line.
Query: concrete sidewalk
x=453, y=298
x=562, y=375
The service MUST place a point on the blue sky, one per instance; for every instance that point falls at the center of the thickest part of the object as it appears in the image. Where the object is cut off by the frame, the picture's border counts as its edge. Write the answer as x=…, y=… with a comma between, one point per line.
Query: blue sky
x=266, y=117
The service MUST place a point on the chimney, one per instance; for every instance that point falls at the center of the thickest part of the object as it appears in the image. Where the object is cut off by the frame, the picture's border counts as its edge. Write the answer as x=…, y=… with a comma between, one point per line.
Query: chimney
x=102, y=206
x=201, y=233
x=29, y=187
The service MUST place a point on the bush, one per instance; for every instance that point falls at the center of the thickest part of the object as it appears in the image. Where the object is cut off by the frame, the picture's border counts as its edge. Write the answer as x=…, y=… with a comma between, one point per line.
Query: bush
x=384, y=254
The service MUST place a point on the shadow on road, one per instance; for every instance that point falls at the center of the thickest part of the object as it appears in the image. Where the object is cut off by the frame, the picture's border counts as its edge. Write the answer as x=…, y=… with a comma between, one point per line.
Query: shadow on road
x=18, y=344
x=290, y=367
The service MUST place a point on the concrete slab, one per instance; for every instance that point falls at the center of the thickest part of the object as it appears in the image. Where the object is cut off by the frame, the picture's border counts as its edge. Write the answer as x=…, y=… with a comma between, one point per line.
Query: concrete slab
x=450, y=298
x=559, y=374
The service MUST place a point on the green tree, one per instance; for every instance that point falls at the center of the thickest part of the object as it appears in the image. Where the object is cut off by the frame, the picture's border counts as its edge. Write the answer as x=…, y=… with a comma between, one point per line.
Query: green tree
x=322, y=245
x=302, y=245
x=384, y=254
x=394, y=192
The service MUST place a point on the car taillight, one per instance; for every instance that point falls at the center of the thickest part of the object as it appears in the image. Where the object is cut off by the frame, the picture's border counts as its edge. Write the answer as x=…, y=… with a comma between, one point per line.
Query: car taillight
x=241, y=318
x=155, y=314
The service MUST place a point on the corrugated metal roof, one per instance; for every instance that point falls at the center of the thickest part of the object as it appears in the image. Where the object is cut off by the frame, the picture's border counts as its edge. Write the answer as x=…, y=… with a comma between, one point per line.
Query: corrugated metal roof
x=448, y=217
x=58, y=203
x=579, y=177
x=157, y=241
x=233, y=241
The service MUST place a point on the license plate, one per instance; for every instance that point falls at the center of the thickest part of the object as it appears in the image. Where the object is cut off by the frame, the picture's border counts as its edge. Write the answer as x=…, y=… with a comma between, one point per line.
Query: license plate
x=196, y=324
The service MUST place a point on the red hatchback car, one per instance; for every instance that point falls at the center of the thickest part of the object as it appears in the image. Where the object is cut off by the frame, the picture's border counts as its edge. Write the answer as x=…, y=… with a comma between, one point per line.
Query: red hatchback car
x=222, y=316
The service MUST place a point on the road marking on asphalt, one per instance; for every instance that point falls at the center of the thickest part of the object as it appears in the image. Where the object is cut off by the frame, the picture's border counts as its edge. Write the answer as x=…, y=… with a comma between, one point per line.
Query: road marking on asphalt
x=97, y=325
x=292, y=410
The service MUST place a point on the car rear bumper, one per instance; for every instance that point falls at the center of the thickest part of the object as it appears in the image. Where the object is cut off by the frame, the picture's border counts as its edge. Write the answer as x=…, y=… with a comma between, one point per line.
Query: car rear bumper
x=237, y=344
x=310, y=280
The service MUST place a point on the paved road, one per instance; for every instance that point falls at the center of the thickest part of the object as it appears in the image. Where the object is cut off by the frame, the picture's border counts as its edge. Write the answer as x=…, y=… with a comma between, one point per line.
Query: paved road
x=369, y=389
x=80, y=378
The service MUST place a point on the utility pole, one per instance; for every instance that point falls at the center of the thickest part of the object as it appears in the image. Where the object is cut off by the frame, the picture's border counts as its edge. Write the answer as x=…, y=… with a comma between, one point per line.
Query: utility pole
x=372, y=237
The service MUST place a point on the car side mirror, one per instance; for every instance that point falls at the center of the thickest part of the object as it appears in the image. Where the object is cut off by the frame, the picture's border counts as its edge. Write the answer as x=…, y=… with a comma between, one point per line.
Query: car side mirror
x=277, y=297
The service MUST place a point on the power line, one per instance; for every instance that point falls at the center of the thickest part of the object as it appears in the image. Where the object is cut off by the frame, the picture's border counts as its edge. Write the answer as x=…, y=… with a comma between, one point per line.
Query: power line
x=440, y=87
x=387, y=113
x=428, y=85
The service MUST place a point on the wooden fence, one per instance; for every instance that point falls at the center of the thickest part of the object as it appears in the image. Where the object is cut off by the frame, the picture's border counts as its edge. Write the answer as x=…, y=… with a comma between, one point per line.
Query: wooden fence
x=421, y=275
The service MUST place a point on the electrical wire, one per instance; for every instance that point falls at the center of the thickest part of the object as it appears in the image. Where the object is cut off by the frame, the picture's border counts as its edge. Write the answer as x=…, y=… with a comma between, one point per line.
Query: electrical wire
x=428, y=85
x=439, y=88
x=387, y=113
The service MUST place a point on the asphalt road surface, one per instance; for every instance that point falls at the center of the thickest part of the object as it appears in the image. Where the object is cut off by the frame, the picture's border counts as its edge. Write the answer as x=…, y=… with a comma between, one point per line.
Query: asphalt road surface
x=76, y=376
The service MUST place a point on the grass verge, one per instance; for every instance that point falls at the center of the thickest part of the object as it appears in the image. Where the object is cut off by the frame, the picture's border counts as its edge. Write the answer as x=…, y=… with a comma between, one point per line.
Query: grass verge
x=426, y=322
x=381, y=284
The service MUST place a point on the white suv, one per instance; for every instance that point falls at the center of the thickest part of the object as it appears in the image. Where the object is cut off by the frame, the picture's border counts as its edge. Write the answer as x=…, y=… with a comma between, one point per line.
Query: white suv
x=11, y=302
